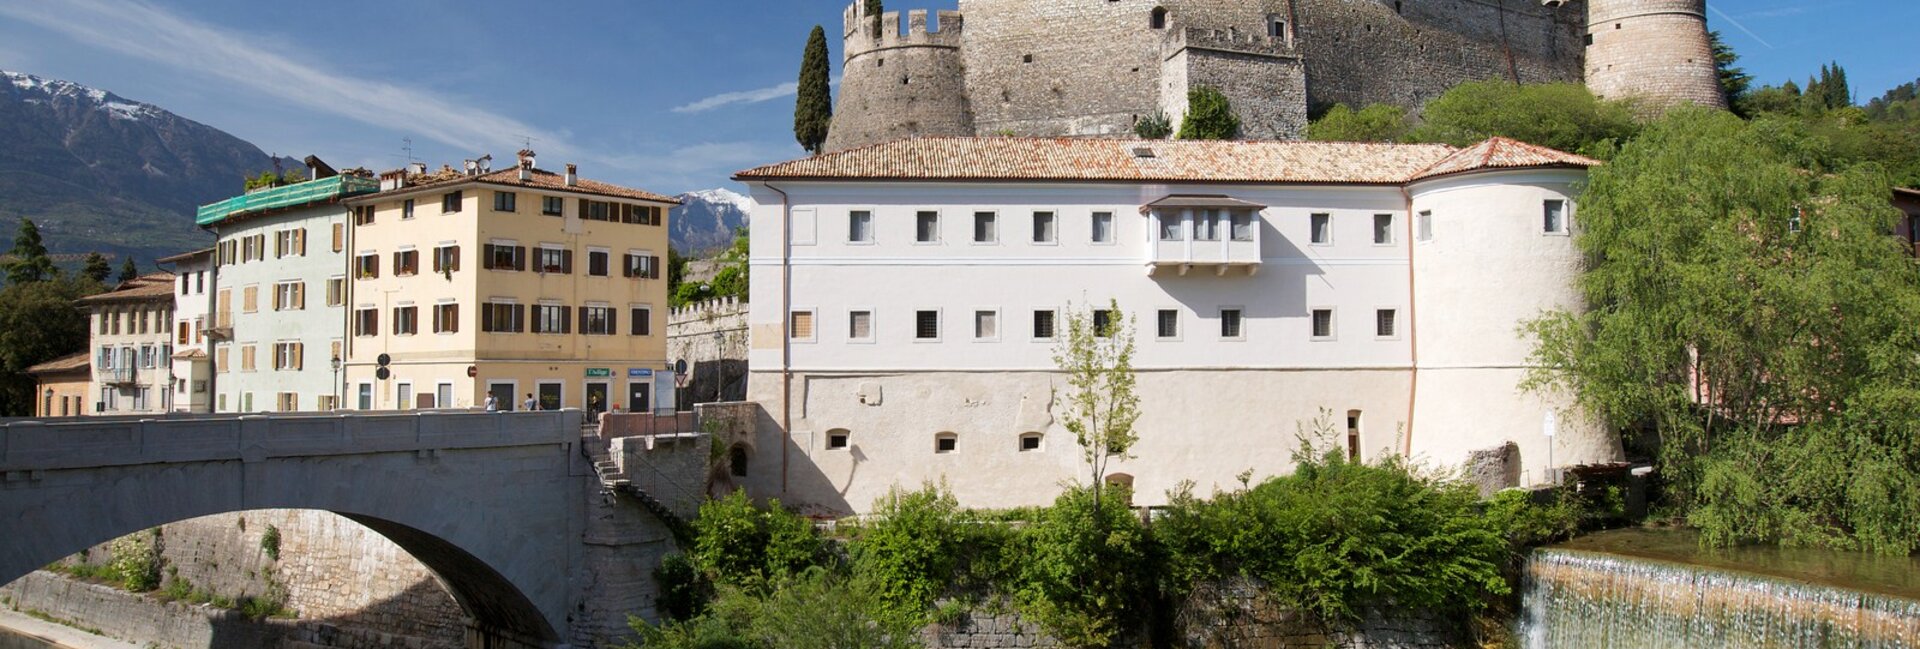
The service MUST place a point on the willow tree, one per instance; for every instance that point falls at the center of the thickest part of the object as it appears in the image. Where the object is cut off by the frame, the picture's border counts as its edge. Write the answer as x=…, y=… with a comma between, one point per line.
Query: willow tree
x=1749, y=305
x=813, y=100
x=1096, y=353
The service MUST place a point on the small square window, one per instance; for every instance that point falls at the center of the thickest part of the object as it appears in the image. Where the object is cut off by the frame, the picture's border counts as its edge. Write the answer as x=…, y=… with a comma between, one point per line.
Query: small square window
x=1044, y=228
x=860, y=325
x=801, y=325
x=945, y=443
x=1323, y=324
x=1423, y=226
x=1170, y=227
x=860, y=226
x=451, y=201
x=551, y=205
x=1030, y=442
x=1321, y=229
x=505, y=201
x=1555, y=219
x=986, y=227
x=1383, y=229
x=1206, y=225
x=1043, y=324
x=1103, y=227
x=1230, y=323
x=926, y=325
x=926, y=227
x=1167, y=324
x=986, y=325
x=1241, y=224
x=837, y=439
x=406, y=209
x=1384, y=323
x=1102, y=323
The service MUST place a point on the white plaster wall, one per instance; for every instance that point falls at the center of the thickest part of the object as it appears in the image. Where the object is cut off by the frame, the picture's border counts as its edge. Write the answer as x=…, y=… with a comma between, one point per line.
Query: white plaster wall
x=318, y=325
x=192, y=302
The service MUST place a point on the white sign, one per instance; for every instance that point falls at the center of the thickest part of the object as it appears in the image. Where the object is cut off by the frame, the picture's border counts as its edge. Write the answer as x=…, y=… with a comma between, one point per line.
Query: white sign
x=1548, y=425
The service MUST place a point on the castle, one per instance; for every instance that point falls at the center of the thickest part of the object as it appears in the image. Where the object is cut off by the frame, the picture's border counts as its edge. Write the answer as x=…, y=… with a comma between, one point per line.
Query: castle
x=1096, y=67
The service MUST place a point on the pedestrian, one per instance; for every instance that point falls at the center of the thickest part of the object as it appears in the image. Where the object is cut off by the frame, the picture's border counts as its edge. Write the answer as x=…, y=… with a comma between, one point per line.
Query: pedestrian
x=531, y=403
x=493, y=403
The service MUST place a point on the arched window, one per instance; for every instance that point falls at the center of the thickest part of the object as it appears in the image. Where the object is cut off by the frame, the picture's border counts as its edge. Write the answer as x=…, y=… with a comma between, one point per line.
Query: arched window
x=946, y=443
x=1159, y=18
x=737, y=460
x=1029, y=442
x=837, y=438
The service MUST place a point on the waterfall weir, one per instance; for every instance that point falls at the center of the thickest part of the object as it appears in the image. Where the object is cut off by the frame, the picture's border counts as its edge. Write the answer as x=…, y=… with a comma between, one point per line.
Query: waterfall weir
x=1657, y=589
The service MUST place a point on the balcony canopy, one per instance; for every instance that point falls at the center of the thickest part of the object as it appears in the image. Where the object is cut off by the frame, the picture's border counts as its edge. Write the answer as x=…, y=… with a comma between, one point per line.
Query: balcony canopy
x=1215, y=201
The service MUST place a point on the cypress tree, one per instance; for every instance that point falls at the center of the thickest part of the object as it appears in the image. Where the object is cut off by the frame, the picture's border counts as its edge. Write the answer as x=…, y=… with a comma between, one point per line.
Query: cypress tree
x=1838, y=95
x=1209, y=116
x=96, y=268
x=128, y=270
x=30, y=262
x=1733, y=81
x=813, y=102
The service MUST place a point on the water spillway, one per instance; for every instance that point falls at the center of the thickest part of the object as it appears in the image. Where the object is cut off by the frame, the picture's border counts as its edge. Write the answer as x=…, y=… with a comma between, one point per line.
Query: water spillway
x=1658, y=589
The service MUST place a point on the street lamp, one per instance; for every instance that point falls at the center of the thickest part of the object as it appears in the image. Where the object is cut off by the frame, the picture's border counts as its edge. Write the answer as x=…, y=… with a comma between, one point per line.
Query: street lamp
x=336, y=382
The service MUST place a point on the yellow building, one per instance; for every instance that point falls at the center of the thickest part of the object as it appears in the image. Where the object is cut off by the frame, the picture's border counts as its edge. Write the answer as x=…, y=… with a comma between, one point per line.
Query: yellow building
x=521, y=283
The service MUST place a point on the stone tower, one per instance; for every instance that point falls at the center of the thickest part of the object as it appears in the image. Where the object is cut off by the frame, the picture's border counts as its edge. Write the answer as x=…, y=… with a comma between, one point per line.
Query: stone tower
x=1656, y=50
x=900, y=83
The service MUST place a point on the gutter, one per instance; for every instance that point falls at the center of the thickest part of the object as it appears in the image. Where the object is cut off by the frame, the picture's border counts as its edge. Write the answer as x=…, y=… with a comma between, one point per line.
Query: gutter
x=1413, y=325
x=786, y=337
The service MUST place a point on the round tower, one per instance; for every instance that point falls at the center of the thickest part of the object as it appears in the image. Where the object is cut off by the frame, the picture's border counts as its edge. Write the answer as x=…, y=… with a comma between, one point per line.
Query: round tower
x=898, y=83
x=1655, y=50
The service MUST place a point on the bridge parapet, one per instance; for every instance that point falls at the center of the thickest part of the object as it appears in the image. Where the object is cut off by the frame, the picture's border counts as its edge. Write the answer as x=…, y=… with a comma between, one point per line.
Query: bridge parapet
x=86, y=443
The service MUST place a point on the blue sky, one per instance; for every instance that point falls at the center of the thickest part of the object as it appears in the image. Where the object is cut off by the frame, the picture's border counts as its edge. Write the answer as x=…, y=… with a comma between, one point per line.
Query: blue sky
x=668, y=96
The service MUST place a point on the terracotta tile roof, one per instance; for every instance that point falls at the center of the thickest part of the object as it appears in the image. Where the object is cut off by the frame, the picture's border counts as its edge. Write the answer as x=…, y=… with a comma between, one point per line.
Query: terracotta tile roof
x=1503, y=153
x=541, y=179
x=186, y=256
x=77, y=361
x=139, y=289
x=1101, y=159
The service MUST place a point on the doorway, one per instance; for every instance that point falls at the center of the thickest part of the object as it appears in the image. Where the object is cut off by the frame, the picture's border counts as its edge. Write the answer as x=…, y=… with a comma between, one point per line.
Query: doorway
x=550, y=393
x=502, y=396
x=597, y=395
x=639, y=396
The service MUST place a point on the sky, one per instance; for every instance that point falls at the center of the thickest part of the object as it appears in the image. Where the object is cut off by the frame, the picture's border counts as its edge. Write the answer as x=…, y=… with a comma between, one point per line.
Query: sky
x=665, y=96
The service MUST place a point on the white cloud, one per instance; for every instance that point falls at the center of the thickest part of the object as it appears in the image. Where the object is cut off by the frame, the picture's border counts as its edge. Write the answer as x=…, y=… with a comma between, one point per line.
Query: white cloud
x=701, y=166
x=754, y=96
x=136, y=28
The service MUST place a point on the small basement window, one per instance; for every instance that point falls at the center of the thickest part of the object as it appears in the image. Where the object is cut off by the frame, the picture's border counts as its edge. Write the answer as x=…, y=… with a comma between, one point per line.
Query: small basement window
x=1029, y=442
x=1158, y=19
x=737, y=461
x=945, y=443
x=837, y=438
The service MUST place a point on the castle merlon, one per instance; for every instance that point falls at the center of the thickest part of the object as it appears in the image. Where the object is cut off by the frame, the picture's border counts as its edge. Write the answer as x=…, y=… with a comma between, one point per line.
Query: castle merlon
x=1602, y=13
x=868, y=33
x=1222, y=40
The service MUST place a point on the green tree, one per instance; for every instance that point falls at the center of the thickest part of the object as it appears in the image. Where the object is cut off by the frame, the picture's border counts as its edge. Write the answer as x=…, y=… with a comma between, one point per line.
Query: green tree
x=1782, y=99
x=1564, y=116
x=1083, y=576
x=96, y=268
x=29, y=261
x=813, y=101
x=740, y=545
x=1730, y=266
x=38, y=323
x=1209, y=116
x=1376, y=123
x=1096, y=355
x=129, y=271
x=1734, y=81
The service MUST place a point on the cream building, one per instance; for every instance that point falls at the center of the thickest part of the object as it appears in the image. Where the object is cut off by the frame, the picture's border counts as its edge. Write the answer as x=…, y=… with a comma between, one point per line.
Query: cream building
x=520, y=283
x=192, y=304
x=132, y=343
x=908, y=297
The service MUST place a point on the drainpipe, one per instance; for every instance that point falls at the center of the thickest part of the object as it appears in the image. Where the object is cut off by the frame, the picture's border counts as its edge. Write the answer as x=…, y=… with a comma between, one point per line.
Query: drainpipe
x=786, y=338
x=1413, y=325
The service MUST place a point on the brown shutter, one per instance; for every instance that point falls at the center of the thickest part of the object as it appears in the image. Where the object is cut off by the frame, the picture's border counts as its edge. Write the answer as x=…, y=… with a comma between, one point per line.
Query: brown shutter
x=519, y=257
x=566, y=261
x=456, y=259
x=566, y=320
x=453, y=318
x=613, y=321
x=486, y=256
x=519, y=318
x=486, y=317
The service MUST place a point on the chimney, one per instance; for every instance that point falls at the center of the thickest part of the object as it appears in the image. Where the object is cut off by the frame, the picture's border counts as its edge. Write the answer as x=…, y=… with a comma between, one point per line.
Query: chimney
x=391, y=180
x=526, y=157
x=573, y=174
x=417, y=168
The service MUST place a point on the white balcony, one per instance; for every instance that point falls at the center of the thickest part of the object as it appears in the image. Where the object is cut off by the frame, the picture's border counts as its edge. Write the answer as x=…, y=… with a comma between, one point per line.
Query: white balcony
x=1210, y=233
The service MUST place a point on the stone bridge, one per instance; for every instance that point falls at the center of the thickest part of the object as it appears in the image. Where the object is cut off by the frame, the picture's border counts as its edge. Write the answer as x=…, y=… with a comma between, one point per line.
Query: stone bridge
x=507, y=509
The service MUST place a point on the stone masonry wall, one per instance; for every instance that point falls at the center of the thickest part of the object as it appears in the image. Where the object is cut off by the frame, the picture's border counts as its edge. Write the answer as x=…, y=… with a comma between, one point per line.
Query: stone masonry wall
x=1656, y=50
x=900, y=80
x=712, y=338
x=1407, y=52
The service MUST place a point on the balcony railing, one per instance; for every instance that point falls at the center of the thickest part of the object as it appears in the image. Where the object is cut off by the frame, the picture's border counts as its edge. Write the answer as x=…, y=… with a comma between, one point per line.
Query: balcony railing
x=118, y=375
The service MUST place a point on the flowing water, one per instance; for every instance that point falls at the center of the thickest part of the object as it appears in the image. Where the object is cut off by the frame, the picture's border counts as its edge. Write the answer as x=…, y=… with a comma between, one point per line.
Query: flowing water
x=1648, y=588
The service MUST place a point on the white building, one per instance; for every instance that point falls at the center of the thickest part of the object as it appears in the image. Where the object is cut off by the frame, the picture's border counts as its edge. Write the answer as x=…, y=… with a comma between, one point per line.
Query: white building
x=909, y=295
x=132, y=342
x=192, y=364
x=278, y=309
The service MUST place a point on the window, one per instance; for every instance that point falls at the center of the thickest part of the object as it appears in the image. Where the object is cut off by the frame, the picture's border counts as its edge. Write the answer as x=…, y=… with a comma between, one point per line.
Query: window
x=860, y=226
x=1241, y=226
x=946, y=443
x=366, y=322
x=1382, y=229
x=362, y=215
x=642, y=320
x=1103, y=227
x=554, y=260
x=1555, y=221
x=248, y=355
x=1158, y=19
x=926, y=325
x=1276, y=28
x=289, y=296
x=860, y=325
x=641, y=266
x=504, y=256
x=1102, y=323
x=502, y=317
x=406, y=320
x=1170, y=228
x=551, y=319
x=505, y=202
x=366, y=266
x=1043, y=324
x=1206, y=226
x=837, y=438
x=406, y=209
x=249, y=301
x=287, y=401
x=1323, y=324
x=221, y=358
x=986, y=227
x=1029, y=442
x=926, y=227
x=446, y=318
x=287, y=356
x=551, y=205
x=406, y=263
x=446, y=259
x=1320, y=228
x=450, y=202
x=598, y=210
x=1044, y=226
x=1167, y=324
x=1230, y=324
x=1383, y=323
x=597, y=320
x=800, y=325
x=1423, y=226
x=986, y=325
x=598, y=262
x=336, y=291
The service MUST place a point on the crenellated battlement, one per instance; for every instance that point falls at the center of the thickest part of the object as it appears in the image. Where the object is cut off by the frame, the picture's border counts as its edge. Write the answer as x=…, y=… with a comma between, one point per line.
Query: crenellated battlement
x=866, y=33
x=1227, y=40
x=706, y=311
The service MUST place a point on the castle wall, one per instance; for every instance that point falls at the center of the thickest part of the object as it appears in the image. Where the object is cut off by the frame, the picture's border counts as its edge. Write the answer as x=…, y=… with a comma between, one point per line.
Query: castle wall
x=900, y=80
x=1656, y=50
x=712, y=338
x=1060, y=68
x=1261, y=76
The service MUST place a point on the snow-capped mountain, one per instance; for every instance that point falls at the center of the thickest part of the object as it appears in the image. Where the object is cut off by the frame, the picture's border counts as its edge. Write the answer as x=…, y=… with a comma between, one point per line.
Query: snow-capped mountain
x=706, y=219
x=97, y=171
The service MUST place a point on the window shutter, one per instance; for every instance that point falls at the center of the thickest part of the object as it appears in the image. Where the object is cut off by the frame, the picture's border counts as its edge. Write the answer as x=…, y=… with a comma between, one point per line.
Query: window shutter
x=519, y=257
x=583, y=209
x=486, y=317
x=566, y=319
x=613, y=322
x=486, y=256
x=626, y=265
x=339, y=240
x=303, y=241
x=455, y=258
x=453, y=318
x=519, y=318
x=653, y=267
x=566, y=261
x=581, y=313
x=299, y=356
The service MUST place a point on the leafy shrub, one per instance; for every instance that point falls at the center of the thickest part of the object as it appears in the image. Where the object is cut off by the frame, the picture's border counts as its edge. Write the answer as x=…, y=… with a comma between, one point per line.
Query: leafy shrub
x=910, y=550
x=1082, y=574
x=1209, y=116
x=815, y=608
x=1564, y=116
x=683, y=590
x=135, y=561
x=270, y=542
x=1154, y=127
x=1376, y=123
x=738, y=544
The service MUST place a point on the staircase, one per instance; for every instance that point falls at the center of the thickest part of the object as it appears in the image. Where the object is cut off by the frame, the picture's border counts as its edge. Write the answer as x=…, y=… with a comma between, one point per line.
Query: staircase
x=615, y=482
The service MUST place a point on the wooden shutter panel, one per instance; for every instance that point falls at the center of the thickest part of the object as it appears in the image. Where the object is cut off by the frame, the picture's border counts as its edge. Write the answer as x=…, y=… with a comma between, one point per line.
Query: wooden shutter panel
x=455, y=258
x=653, y=267
x=339, y=238
x=519, y=257
x=581, y=313
x=519, y=318
x=486, y=317
x=566, y=261
x=613, y=322
x=566, y=320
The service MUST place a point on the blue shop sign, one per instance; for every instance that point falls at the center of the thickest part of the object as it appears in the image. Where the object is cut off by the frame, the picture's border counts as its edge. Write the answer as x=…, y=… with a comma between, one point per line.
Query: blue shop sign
x=638, y=372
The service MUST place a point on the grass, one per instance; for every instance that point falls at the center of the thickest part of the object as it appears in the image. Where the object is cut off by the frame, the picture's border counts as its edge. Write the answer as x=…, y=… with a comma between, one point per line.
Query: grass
x=48, y=617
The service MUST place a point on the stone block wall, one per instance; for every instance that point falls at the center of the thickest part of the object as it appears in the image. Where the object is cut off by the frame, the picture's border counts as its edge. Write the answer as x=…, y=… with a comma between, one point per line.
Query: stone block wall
x=1407, y=52
x=1656, y=50
x=1260, y=75
x=899, y=82
x=711, y=337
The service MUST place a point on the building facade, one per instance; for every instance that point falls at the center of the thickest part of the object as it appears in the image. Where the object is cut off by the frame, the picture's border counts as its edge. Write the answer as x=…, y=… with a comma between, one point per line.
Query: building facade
x=1027, y=67
x=279, y=286
x=192, y=304
x=62, y=386
x=909, y=298
x=522, y=284
x=132, y=345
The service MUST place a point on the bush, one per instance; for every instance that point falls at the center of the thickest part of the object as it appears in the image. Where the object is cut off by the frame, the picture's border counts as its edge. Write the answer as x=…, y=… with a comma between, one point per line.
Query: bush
x=815, y=608
x=1153, y=127
x=683, y=590
x=270, y=542
x=135, y=561
x=1564, y=116
x=1083, y=575
x=738, y=544
x=910, y=550
x=1209, y=116
x=1376, y=123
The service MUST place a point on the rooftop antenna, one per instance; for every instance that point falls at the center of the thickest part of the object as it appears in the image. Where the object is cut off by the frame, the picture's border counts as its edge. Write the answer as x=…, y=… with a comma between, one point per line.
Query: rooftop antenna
x=526, y=141
x=406, y=146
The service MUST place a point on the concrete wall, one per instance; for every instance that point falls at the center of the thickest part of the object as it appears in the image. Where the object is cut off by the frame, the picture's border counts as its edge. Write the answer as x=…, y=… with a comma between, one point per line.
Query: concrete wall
x=712, y=338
